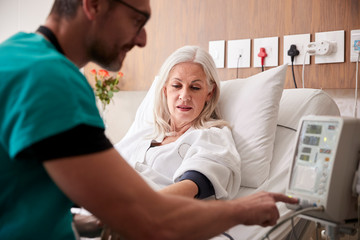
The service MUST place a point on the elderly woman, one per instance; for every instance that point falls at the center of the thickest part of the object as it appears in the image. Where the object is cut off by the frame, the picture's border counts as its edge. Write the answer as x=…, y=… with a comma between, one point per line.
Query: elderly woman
x=189, y=150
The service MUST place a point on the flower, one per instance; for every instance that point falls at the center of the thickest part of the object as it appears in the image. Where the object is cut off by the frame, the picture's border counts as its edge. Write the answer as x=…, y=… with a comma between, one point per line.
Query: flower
x=105, y=85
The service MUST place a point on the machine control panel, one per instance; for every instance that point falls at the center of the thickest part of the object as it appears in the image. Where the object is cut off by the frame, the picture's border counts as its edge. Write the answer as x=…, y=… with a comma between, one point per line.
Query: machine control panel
x=325, y=158
x=313, y=161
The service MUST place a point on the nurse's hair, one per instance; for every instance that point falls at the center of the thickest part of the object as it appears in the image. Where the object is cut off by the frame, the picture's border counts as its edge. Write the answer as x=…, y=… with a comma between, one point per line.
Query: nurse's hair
x=65, y=8
x=209, y=116
x=68, y=8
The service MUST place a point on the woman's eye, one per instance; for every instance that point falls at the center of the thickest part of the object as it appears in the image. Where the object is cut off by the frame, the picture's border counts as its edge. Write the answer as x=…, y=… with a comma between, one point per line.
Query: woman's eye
x=195, y=88
x=176, y=86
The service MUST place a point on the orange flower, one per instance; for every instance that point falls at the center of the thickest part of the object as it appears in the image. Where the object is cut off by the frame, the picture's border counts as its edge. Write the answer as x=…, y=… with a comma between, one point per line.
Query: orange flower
x=104, y=73
x=105, y=85
x=93, y=72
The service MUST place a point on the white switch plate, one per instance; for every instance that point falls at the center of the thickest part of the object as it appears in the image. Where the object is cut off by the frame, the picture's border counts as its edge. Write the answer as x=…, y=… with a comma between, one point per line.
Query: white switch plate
x=238, y=53
x=217, y=51
x=335, y=36
x=301, y=41
x=355, y=35
x=271, y=46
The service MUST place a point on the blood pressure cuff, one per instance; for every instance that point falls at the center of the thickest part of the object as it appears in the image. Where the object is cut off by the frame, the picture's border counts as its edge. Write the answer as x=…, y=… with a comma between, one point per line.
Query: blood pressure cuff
x=206, y=189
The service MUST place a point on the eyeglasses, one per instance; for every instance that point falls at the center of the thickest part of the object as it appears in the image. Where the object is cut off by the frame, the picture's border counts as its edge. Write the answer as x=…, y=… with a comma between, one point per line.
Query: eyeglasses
x=145, y=14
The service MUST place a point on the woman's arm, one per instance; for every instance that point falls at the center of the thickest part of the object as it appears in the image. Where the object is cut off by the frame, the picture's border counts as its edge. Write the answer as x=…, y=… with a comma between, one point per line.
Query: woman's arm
x=186, y=188
x=213, y=153
x=192, y=184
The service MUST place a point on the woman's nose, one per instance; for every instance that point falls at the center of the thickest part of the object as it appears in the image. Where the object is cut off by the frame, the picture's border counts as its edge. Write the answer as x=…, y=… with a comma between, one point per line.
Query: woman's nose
x=185, y=96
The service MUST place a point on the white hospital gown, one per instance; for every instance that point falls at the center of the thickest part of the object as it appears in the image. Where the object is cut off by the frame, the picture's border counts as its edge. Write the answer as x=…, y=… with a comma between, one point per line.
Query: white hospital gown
x=211, y=152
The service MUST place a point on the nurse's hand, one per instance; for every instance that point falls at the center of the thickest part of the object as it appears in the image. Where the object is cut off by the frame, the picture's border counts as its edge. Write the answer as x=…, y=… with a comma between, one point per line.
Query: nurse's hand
x=108, y=234
x=87, y=225
x=260, y=208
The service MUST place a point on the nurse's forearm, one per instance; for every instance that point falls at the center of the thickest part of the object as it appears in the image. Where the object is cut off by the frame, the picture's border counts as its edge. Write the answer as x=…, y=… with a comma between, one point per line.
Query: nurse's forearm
x=108, y=187
x=204, y=219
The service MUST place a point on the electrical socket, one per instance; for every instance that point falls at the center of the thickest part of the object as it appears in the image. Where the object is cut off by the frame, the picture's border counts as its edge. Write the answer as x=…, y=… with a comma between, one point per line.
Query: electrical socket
x=217, y=51
x=322, y=48
x=271, y=46
x=238, y=53
x=301, y=41
x=354, y=41
x=336, y=52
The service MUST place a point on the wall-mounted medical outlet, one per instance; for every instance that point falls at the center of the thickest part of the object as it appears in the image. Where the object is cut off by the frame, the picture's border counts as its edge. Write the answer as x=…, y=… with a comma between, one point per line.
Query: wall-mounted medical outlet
x=271, y=46
x=217, y=51
x=300, y=41
x=354, y=45
x=322, y=48
x=238, y=53
x=333, y=40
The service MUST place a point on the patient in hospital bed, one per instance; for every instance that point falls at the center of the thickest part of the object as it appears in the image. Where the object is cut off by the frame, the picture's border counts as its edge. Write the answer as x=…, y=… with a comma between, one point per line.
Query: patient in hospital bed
x=188, y=149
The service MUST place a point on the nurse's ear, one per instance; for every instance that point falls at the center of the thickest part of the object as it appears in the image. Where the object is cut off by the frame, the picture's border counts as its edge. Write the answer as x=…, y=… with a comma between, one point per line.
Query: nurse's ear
x=92, y=8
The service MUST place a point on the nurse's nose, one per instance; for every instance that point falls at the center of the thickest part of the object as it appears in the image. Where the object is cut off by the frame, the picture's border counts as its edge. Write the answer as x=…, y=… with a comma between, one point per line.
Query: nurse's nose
x=140, y=38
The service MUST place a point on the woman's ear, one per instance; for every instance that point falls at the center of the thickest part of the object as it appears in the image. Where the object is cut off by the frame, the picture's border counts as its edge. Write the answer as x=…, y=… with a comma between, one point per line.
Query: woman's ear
x=164, y=89
x=211, y=93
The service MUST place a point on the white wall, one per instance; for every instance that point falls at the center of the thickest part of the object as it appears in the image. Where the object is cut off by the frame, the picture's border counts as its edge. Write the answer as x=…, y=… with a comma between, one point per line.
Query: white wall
x=22, y=15
x=345, y=99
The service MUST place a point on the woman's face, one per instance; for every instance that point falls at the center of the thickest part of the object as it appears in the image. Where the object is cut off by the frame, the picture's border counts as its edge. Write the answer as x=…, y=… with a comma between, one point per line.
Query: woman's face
x=186, y=91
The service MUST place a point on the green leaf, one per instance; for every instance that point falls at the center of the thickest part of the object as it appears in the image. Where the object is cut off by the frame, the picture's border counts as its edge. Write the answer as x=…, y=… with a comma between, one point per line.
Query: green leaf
x=99, y=84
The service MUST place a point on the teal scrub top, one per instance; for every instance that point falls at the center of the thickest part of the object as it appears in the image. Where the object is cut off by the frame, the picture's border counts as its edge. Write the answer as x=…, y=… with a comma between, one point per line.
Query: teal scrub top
x=42, y=94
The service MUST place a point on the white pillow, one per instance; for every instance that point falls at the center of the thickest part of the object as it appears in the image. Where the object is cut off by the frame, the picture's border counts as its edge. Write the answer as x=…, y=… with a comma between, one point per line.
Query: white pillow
x=144, y=117
x=251, y=105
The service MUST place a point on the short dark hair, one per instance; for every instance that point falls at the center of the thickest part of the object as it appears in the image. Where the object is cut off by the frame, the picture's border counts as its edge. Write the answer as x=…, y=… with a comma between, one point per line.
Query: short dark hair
x=65, y=8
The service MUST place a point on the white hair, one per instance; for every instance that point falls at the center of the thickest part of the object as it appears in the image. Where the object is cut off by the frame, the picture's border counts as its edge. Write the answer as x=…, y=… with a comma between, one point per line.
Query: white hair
x=209, y=117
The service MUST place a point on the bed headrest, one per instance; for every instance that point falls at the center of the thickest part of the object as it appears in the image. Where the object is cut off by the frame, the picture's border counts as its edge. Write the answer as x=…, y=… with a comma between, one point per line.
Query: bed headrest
x=299, y=102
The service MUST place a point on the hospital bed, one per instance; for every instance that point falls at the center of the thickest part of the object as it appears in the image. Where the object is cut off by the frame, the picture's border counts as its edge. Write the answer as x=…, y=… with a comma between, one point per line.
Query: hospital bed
x=292, y=105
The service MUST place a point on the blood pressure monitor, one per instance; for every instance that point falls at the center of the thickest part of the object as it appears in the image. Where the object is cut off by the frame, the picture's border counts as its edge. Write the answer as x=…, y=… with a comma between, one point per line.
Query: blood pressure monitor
x=325, y=160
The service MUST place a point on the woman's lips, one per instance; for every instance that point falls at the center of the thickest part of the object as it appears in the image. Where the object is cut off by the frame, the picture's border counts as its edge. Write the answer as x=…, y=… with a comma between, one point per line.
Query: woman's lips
x=184, y=108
